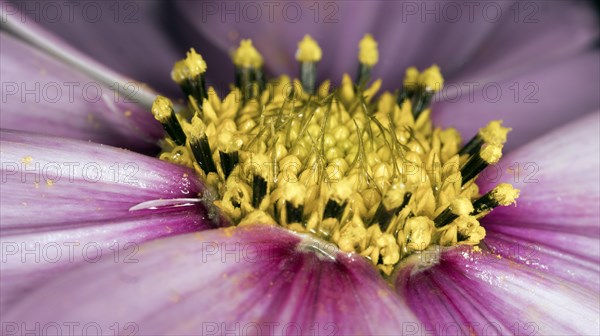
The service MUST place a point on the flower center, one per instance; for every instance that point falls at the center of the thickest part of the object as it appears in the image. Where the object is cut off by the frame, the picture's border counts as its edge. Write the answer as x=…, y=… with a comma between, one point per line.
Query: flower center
x=371, y=176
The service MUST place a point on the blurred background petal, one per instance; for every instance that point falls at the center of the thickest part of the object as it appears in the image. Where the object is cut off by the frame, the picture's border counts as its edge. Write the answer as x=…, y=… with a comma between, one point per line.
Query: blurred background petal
x=46, y=96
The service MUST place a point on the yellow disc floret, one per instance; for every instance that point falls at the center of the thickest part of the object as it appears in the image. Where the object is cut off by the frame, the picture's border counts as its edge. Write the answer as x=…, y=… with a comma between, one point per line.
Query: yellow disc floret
x=370, y=174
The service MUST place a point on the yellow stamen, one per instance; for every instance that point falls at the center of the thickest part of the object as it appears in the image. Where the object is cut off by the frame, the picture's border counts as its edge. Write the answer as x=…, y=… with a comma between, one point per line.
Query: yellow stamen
x=411, y=78
x=431, y=79
x=494, y=133
x=246, y=56
x=505, y=194
x=491, y=153
x=308, y=50
x=162, y=108
x=368, y=53
x=195, y=64
x=180, y=72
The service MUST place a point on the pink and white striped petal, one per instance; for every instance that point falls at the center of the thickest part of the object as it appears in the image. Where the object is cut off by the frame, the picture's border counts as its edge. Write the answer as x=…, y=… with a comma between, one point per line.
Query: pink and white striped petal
x=244, y=280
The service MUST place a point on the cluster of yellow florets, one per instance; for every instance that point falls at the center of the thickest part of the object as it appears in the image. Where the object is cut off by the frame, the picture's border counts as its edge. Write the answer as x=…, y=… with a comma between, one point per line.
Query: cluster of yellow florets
x=371, y=175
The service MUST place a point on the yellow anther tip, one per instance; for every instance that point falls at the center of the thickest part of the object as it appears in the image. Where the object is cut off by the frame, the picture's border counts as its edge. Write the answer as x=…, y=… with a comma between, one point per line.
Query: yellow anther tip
x=178, y=74
x=494, y=133
x=490, y=153
x=162, y=108
x=431, y=79
x=308, y=50
x=195, y=63
x=368, y=53
x=411, y=78
x=246, y=56
x=505, y=194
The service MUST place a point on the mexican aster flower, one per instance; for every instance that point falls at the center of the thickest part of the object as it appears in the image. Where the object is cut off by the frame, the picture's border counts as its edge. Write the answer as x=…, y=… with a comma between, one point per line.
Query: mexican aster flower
x=328, y=204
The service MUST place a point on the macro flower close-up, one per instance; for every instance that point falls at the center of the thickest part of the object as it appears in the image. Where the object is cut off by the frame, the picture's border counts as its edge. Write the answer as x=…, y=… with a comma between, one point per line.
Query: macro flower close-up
x=300, y=168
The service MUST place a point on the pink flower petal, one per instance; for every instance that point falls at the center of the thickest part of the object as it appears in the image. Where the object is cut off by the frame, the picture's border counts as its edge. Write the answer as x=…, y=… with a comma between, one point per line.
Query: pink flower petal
x=43, y=95
x=478, y=40
x=249, y=280
x=66, y=202
x=53, y=182
x=160, y=40
x=31, y=259
x=483, y=293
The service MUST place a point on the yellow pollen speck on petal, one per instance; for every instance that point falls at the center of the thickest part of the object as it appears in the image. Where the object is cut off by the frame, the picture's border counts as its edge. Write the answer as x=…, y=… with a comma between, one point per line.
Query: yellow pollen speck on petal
x=246, y=56
x=26, y=160
x=505, y=194
x=127, y=113
x=49, y=183
x=308, y=50
x=431, y=79
x=368, y=53
x=162, y=108
x=491, y=153
x=494, y=133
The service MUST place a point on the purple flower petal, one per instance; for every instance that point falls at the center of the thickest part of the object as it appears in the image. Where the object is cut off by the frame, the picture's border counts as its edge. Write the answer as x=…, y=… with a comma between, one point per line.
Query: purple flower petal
x=539, y=270
x=50, y=183
x=66, y=202
x=15, y=20
x=105, y=30
x=463, y=38
x=43, y=95
x=31, y=259
x=483, y=293
x=532, y=103
x=248, y=280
